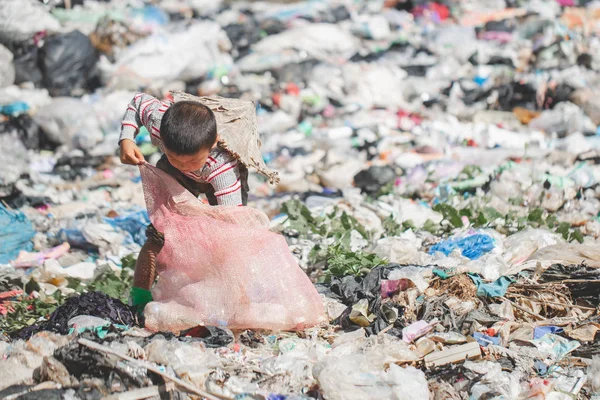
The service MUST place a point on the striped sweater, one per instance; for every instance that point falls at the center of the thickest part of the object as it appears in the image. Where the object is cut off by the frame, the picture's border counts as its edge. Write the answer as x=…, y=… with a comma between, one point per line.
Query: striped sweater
x=221, y=169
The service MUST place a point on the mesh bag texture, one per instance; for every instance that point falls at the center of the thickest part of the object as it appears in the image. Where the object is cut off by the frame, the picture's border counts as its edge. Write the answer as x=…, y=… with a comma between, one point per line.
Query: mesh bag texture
x=221, y=266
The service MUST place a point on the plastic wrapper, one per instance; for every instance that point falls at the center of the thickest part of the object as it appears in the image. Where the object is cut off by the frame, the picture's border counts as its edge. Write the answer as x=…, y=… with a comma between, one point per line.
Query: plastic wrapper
x=221, y=266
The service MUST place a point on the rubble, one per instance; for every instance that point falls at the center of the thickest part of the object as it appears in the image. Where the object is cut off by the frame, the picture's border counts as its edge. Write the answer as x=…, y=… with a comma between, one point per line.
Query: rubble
x=439, y=171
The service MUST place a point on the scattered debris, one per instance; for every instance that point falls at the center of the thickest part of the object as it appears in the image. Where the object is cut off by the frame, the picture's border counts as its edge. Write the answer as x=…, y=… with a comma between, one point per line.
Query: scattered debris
x=438, y=174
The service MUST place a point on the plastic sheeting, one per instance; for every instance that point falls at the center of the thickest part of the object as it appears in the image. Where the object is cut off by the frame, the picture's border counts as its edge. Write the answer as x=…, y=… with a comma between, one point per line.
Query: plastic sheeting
x=16, y=233
x=221, y=266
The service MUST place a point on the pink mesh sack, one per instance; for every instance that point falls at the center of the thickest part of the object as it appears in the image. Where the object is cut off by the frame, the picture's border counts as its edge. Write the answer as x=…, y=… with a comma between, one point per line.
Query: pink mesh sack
x=221, y=266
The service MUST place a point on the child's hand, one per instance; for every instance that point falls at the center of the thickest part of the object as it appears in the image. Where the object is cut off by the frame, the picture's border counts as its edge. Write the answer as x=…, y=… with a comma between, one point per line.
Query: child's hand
x=130, y=153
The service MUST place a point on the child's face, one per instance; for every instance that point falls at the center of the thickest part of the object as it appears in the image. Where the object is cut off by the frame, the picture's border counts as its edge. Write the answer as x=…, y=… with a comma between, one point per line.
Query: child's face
x=190, y=162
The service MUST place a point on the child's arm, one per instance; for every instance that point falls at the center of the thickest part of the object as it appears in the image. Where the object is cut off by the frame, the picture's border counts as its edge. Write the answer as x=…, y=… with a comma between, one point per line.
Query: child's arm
x=226, y=181
x=138, y=113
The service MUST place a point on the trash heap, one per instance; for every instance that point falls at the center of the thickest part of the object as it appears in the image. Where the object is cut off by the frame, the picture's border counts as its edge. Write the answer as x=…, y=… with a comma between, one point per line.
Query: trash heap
x=439, y=167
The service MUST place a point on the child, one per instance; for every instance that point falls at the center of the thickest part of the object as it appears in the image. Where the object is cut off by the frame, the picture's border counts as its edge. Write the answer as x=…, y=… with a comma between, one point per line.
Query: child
x=186, y=131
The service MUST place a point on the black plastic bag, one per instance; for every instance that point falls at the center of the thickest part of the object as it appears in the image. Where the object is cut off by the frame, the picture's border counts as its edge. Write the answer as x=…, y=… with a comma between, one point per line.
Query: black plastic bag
x=68, y=64
x=26, y=66
x=28, y=131
x=371, y=180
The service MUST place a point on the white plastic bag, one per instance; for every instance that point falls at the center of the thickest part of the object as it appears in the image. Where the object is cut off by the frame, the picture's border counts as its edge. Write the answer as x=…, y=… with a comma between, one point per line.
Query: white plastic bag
x=185, y=55
x=21, y=19
x=71, y=122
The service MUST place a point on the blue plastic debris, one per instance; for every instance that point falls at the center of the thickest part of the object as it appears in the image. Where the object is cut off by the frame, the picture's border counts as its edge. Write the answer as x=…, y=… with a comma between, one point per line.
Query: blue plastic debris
x=134, y=224
x=273, y=396
x=485, y=340
x=540, y=367
x=14, y=109
x=443, y=274
x=493, y=289
x=76, y=239
x=558, y=347
x=16, y=233
x=542, y=331
x=150, y=15
x=472, y=247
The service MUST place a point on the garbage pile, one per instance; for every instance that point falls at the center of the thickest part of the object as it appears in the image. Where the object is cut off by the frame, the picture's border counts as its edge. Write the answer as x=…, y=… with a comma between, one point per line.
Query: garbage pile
x=439, y=166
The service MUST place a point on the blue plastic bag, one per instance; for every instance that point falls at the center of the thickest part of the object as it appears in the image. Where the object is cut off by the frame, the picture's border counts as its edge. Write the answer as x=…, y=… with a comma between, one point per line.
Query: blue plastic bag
x=76, y=239
x=472, y=247
x=16, y=233
x=134, y=224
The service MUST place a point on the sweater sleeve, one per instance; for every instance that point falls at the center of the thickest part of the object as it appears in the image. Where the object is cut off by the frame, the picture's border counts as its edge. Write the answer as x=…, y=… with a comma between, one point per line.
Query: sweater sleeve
x=138, y=113
x=225, y=180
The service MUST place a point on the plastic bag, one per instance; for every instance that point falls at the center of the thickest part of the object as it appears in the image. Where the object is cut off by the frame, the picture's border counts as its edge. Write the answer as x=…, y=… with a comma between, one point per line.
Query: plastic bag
x=68, y=63
x=568, y=254
x=21, y=19
x=221, y=266
x=359, y=376
x=70, y=121
x=185, y=55
x=566, y=118
x=371, y=180
x=25, y=128
x=323, y=42
x=134, y=224
x=16, y=233
x=522, y=245
x=473, y=246
x=26, y=66
x=109, y=110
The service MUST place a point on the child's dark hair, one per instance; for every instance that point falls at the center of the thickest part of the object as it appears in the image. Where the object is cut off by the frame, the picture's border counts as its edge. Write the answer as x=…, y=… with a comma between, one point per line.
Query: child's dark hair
x=188, y=127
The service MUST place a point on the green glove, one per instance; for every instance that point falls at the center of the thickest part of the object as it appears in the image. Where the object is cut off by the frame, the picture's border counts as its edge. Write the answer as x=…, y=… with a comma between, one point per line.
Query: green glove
x=139, y=297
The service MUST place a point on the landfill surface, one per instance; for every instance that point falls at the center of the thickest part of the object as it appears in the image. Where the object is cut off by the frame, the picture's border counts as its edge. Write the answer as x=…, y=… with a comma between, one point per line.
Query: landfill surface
x=439, y=166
